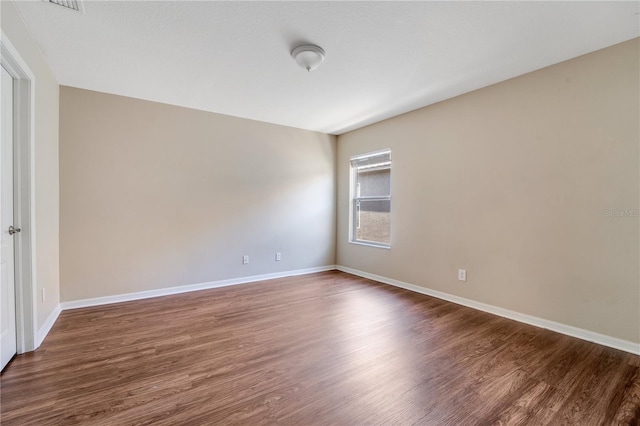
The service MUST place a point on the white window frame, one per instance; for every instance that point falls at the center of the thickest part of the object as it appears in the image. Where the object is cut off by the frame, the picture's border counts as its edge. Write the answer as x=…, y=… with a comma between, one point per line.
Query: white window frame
x=354, y=198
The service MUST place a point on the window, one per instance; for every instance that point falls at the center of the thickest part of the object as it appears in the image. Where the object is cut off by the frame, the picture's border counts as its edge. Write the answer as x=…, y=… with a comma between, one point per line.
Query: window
x=371, y=199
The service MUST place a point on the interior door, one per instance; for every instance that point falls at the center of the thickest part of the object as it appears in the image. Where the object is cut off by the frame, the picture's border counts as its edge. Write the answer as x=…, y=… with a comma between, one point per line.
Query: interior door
x=7, y=282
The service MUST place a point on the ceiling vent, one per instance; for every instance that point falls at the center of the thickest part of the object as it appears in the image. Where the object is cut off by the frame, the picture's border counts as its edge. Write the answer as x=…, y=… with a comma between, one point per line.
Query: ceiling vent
x=68, y=4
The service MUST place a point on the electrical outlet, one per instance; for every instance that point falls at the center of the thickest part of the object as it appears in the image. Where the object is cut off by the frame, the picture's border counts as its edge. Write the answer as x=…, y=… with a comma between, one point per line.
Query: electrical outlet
x=245, y=260
x=462, y=274
x=278, y=257
x=43, y=295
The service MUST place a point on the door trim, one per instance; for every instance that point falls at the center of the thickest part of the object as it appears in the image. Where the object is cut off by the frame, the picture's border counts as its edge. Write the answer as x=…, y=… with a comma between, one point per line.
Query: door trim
x=24, y=194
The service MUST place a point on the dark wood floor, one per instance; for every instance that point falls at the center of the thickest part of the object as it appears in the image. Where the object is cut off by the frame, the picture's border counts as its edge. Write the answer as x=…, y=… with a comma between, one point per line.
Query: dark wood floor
x=326, y=348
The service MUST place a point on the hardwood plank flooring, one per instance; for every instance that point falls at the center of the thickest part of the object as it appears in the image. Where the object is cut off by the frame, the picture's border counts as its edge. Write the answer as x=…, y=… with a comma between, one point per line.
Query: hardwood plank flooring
x=320, y=349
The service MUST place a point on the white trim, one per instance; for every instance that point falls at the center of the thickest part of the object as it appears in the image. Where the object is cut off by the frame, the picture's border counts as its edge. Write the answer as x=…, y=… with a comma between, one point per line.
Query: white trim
x=24, y=171
x=370, y=244
x=48, y=324
x=590, y=336
x=370, y=154
x=97, y=301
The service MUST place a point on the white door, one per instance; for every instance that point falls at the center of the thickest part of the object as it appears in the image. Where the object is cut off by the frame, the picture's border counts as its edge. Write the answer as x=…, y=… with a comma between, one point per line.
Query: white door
x=7, y=295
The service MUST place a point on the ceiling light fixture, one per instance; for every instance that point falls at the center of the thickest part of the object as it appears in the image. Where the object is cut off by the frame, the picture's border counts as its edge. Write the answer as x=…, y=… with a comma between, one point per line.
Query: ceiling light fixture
x=308, y=56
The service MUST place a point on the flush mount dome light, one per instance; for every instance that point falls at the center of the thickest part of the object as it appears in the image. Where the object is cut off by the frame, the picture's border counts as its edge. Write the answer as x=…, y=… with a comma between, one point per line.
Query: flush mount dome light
x=308, y=56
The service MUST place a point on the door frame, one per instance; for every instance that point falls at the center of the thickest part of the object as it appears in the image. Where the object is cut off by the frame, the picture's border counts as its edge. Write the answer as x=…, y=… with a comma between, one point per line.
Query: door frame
x=23, y=194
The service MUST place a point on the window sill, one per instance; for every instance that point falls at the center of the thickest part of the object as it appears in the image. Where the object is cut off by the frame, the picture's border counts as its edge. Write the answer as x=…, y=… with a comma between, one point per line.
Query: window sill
x=364, y=243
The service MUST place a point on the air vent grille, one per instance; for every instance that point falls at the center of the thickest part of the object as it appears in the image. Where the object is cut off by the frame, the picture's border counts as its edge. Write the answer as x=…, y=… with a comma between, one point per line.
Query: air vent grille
x=68, y=4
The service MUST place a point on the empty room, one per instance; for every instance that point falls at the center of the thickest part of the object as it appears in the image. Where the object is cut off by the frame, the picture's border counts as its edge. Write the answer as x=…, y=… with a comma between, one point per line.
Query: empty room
x=320, y=213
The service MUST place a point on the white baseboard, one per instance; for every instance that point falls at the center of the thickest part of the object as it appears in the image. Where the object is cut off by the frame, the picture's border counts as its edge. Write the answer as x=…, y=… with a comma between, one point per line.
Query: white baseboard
x=97, y=301
x=569, y=330
x=46, y=327
x=601, y=339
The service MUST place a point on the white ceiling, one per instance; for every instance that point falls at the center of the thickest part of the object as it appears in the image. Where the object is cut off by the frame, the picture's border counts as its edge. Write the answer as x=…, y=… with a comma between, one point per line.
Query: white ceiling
x=383, y=58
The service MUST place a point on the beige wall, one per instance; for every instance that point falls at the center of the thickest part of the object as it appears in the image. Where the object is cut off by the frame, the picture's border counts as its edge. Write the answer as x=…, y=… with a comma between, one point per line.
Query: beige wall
x=513, y=183
x=46, y=162
x=155, y=196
